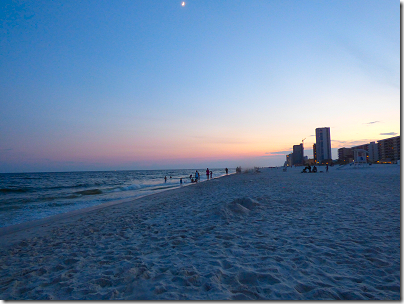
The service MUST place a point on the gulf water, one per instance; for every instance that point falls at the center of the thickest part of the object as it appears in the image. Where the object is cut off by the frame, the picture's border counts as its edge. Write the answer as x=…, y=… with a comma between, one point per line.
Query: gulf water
x=30, y=196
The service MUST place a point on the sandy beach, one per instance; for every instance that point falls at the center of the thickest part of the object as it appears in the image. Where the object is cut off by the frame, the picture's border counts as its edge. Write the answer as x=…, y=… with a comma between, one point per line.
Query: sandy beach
x=271, y=235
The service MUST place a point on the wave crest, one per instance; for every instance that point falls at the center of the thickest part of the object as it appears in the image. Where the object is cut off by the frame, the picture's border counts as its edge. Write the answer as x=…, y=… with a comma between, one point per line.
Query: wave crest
x=89, y=192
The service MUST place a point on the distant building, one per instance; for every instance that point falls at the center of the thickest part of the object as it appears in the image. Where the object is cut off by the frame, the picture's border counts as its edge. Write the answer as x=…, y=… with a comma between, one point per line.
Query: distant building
x=311, y=162
x=345, y=155
x=385, y=150
x=373, y=150
x=363, y=147
x=314, y=153
x=367, y=147
x=297, y=155
x=360, y=156
x=389, y=149
x=289, y=160
x=323, y=144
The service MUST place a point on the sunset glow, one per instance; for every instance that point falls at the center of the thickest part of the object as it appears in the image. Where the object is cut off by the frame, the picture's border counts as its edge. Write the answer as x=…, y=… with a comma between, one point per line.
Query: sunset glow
x=149, y=85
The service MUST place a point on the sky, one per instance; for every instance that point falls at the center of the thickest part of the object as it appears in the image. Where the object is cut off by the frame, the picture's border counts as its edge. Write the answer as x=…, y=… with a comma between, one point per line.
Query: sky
x=125, y=85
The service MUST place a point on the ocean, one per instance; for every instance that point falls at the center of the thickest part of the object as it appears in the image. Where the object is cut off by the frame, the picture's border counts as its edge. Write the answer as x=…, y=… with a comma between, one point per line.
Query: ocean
x=30, y=196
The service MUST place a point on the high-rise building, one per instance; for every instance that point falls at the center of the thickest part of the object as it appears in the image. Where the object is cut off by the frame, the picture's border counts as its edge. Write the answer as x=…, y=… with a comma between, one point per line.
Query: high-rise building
x=323, y=144
x=385, y=150
x=297, y=154
x=314, y=153
x=373, y=150
x=389, y=149
x=345, y=155
x=289, y=160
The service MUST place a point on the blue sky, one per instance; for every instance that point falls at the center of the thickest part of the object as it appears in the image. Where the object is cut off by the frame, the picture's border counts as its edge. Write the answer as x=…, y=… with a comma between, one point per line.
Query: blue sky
x=105, y=85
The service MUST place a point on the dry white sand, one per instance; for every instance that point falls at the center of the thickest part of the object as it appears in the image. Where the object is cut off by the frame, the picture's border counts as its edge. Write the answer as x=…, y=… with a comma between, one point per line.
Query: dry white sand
x=270, y=235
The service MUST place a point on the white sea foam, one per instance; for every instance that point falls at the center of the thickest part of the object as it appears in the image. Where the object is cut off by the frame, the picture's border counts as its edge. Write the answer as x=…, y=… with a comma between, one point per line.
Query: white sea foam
x=30, y=196
x=126, y=188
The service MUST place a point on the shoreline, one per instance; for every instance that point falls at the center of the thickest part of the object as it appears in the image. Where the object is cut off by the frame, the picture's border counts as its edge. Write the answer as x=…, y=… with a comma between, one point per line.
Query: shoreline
x=51, y=220
x=272, y=235
x=30, y=197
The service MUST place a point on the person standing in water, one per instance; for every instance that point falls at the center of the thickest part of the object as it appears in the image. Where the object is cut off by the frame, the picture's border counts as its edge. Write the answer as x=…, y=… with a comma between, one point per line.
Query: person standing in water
x=165, y=179
x=227, y=171
x=207, y=173
x=211, y=173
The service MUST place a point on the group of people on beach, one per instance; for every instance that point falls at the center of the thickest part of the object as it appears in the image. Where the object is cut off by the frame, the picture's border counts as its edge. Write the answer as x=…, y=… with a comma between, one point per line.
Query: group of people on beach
x=308, y=169
x=197, y=177
x=209, y=174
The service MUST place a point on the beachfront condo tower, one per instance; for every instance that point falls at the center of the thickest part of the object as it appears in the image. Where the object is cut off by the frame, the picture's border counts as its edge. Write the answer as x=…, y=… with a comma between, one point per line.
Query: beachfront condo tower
x=297, y=155
x=323, y=144
x=314, y=153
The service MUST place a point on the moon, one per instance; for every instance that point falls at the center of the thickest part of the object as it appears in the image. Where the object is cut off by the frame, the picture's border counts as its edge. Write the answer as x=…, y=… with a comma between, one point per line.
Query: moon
x=183, y=3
